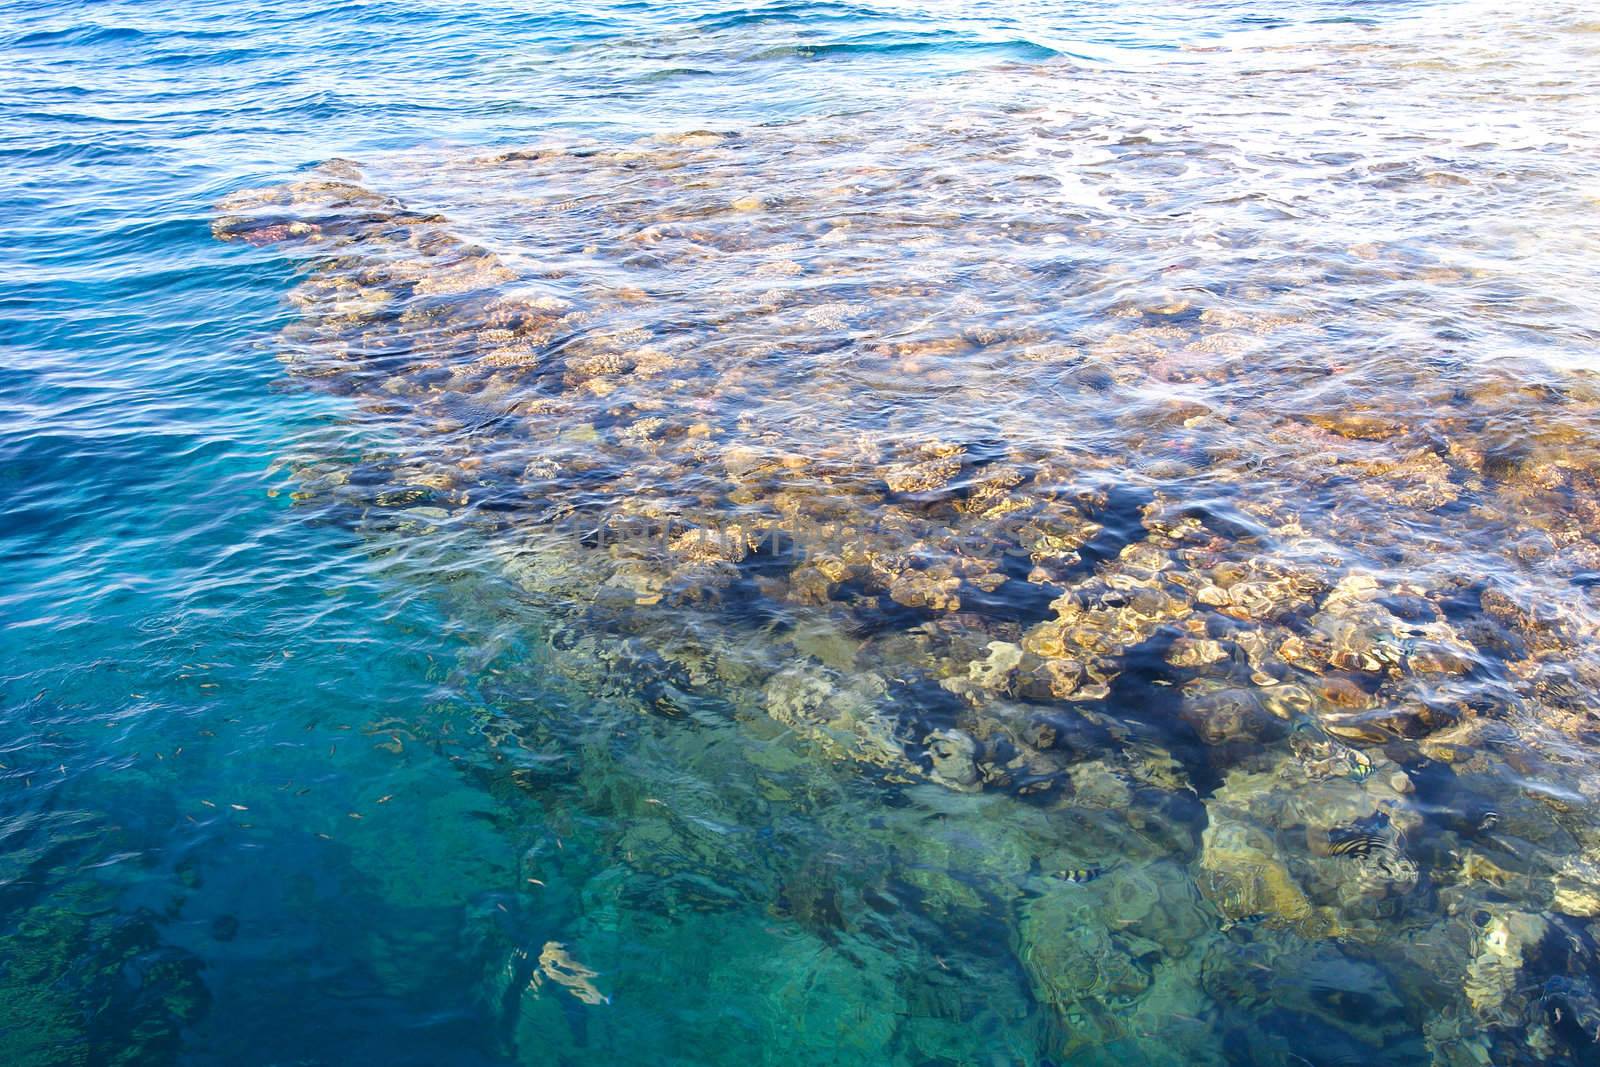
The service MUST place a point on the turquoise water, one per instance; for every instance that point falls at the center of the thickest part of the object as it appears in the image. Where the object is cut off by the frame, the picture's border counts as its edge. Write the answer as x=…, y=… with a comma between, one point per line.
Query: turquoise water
x=289, y=778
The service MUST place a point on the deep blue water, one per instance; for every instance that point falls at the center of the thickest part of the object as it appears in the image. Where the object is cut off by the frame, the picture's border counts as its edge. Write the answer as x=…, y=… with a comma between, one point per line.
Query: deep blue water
x=248, y=812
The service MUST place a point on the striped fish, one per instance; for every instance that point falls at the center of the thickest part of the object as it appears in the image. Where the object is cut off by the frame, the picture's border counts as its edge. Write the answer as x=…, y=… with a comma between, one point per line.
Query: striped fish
x=1365, y=837
x=1080, y=875
x=1362, y=843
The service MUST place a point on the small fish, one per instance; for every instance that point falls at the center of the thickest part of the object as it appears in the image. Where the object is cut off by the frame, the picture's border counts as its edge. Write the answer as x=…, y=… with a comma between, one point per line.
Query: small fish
x=1080, y=875
x=1365, y=837
x=1488, y=821
x=1356, y=843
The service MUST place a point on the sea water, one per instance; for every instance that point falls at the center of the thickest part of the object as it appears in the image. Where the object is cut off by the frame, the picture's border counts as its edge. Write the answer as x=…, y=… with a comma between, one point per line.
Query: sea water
x=901, y=533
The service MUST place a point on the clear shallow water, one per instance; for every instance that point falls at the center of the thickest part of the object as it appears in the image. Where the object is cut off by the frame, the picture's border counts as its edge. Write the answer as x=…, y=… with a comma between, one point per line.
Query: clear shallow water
x=346, y=674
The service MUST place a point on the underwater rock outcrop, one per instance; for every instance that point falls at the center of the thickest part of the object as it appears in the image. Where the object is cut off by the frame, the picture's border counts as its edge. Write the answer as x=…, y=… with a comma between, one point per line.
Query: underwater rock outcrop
x=848, y=459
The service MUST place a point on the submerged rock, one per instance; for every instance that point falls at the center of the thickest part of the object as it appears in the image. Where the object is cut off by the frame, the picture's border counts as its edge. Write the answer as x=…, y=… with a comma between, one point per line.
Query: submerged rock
x=1159, y=549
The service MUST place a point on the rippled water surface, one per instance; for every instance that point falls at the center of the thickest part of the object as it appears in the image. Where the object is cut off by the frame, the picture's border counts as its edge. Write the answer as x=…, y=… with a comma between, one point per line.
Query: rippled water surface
x=921, y=533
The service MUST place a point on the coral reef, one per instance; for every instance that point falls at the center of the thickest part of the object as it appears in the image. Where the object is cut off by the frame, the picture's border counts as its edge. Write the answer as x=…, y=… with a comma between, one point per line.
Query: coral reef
x=1297, y=645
